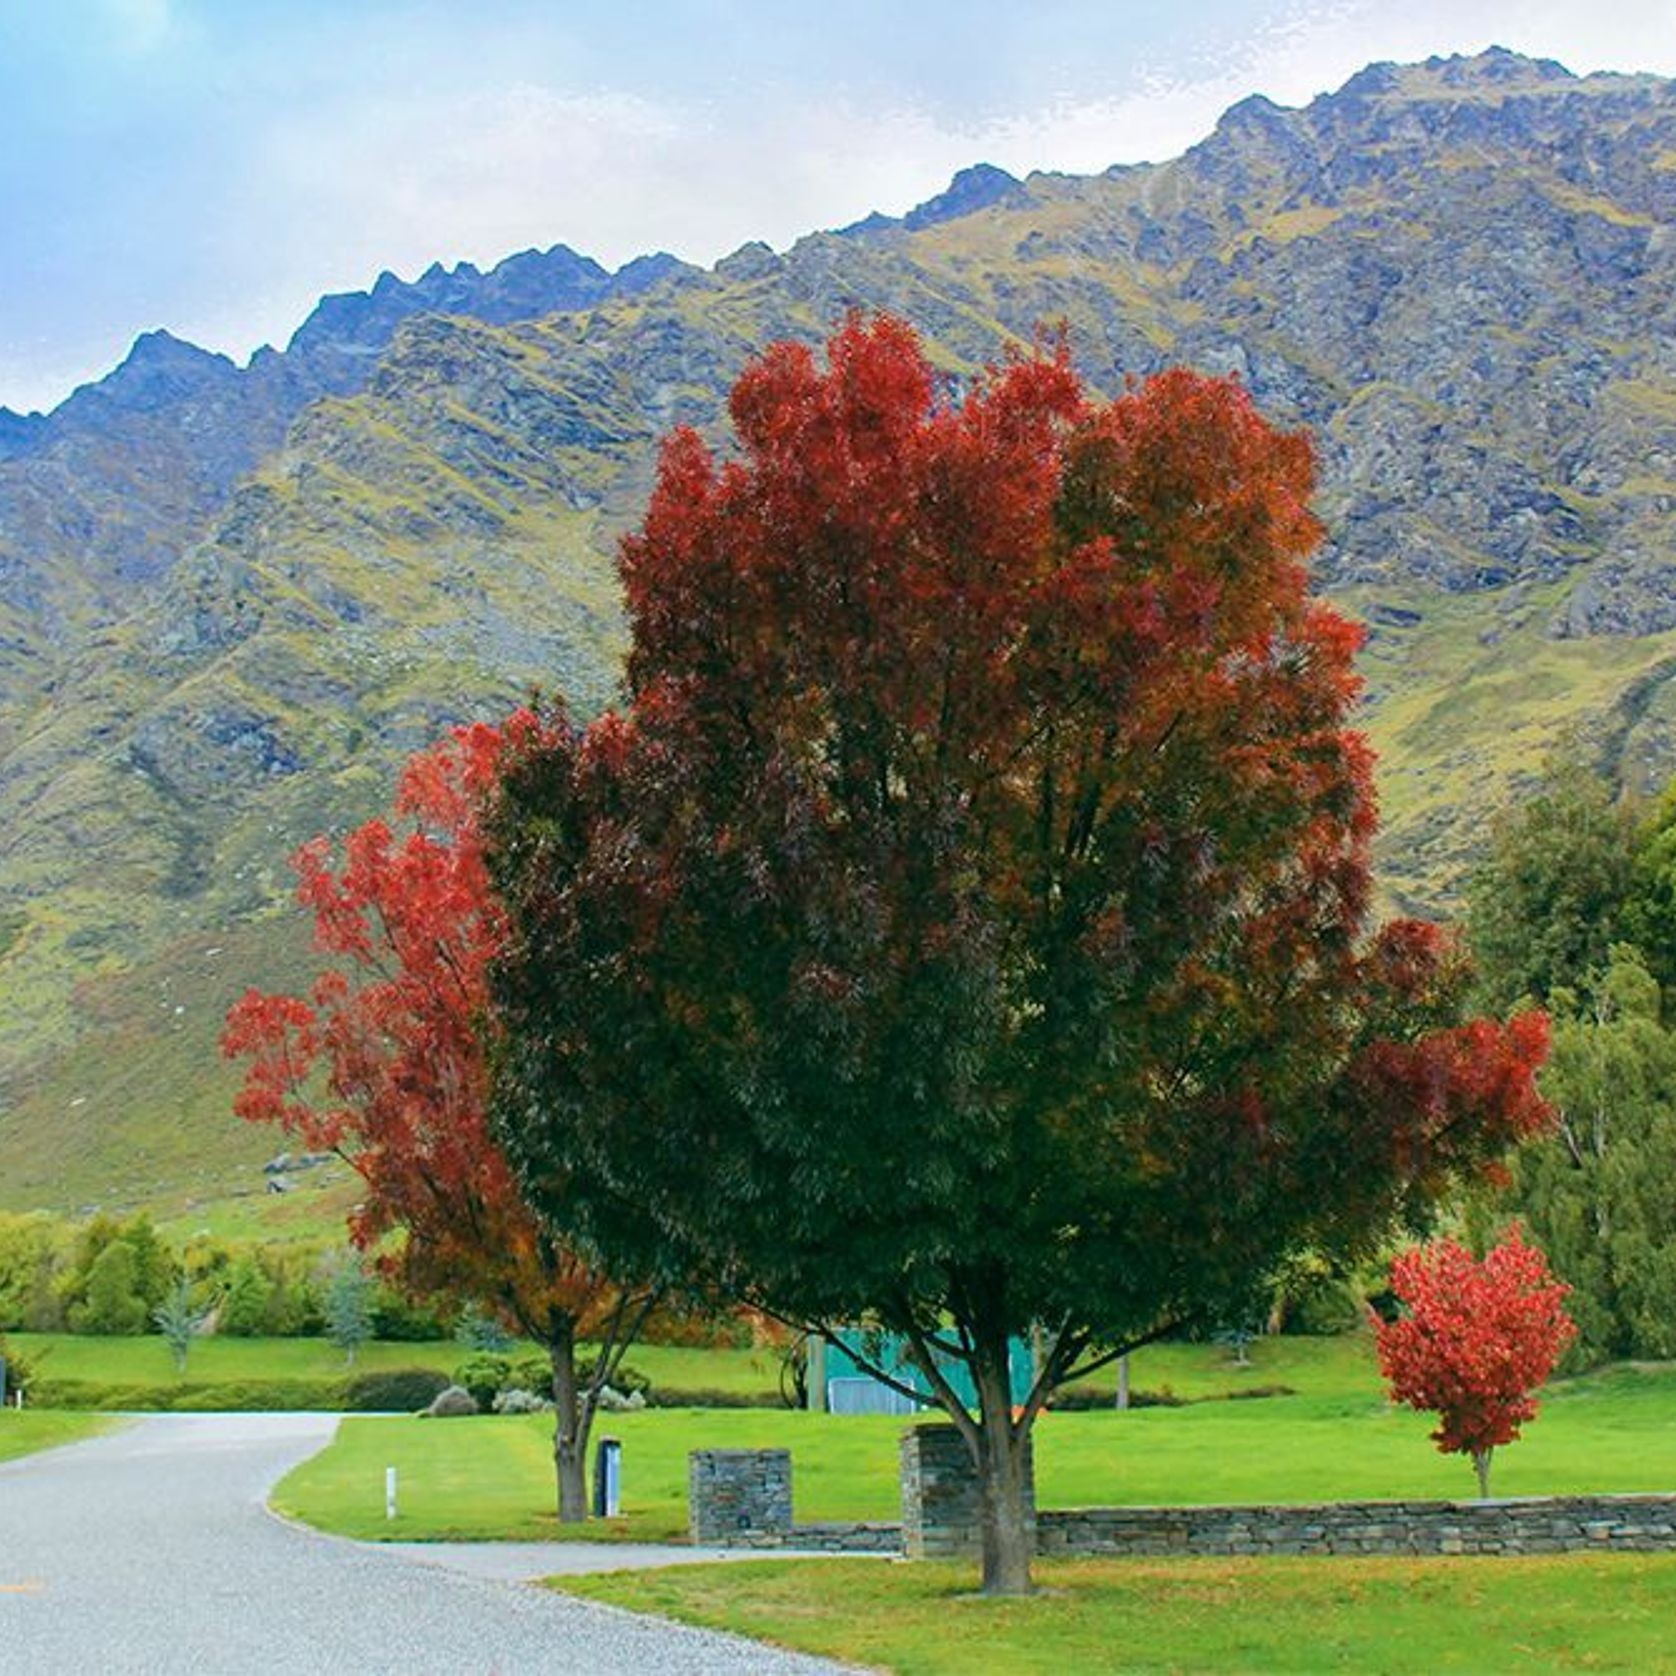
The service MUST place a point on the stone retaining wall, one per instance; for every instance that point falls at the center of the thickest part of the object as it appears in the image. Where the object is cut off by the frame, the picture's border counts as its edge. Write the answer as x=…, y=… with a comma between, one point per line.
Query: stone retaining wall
x=742, y=1498
x=836, y=1537
x=1526, y=1525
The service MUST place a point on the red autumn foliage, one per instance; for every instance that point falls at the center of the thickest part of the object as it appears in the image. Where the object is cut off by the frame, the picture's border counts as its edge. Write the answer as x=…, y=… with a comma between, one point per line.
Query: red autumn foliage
x=968, y=928
x=385, y=1061
x=1477, y=1339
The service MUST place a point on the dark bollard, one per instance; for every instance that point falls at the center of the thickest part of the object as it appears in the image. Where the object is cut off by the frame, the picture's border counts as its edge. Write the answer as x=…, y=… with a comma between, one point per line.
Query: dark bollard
x=608, y=1478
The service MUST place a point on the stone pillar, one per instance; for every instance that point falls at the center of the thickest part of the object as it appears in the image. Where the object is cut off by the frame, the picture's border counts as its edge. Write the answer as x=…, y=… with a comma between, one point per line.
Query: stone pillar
x=737, y=1495
x=942, y=1510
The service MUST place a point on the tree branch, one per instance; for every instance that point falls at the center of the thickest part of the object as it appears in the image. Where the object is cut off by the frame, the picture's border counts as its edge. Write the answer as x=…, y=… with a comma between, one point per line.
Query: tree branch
x=1107, y=1357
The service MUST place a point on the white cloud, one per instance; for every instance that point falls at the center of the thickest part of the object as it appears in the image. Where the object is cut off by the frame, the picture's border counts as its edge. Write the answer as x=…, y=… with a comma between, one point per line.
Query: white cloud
x=380, y=179
x=400, y=183
x=138, y=26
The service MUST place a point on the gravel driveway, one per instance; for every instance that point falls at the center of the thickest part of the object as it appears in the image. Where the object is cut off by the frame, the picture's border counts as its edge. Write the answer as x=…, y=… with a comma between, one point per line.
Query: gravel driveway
x=150, y=1550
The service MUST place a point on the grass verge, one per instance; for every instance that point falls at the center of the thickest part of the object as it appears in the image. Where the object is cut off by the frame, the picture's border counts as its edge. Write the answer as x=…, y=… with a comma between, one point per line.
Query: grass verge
x=491, y=1477
x=1566, y=1612
x=23, y=1434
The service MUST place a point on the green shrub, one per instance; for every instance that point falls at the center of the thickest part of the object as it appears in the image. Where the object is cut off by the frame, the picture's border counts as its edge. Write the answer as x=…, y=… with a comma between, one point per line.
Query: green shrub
x=112, y=1303
x=244, y=1305
x=256, y=1395
x=484, y=1376
x=397, y=1317
x=32, y=1255
x=294, y=1310
x=533, y=1374
x=487, y=1376
x=705, y=1396
x=237, y=1395
x=1076, y=1399
x=1326, y=1309
x=393, y=1390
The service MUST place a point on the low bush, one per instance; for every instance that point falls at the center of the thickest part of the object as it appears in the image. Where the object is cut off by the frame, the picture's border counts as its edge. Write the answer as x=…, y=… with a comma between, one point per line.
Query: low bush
x=518, y=1401
x=236, y=1395
x=534, y=1374
x=1079, y=1399
x=485, y=1376
x=454, y=1402
x=707, y=1396
x=393, y=1390
x=488, y=1377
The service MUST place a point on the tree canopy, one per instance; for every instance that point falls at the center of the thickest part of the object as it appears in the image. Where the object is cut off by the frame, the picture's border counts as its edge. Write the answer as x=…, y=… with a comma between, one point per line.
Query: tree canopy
x=1598, y=1193
x=385, y=1061
x=1576, y=903
x=966, y=926
x=1475, y=1341
x=1560, y=885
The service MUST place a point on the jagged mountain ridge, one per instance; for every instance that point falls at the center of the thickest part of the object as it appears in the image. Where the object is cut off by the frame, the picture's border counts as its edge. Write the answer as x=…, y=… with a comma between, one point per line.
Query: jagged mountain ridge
x=101, y=496
x=1451, y=271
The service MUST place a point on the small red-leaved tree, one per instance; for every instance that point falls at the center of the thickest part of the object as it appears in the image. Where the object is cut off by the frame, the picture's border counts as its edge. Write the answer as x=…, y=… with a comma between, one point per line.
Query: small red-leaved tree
x=1476, y=1341
x=385, y=1062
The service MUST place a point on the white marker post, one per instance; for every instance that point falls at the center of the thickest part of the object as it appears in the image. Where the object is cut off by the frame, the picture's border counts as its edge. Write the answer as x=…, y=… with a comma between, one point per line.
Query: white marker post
x=389, y=1492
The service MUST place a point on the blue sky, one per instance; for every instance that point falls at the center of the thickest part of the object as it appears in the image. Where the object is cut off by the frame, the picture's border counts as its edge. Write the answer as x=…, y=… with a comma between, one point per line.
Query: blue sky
x=213, y=166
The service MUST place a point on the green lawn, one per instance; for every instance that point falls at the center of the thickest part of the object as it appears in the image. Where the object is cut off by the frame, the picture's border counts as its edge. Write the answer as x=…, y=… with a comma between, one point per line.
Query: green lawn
x=23, y=1434
x=146, y=1361
x=1316, y=1367
x=1575, y=1612
x=1335, y=1440
x=491, y=1477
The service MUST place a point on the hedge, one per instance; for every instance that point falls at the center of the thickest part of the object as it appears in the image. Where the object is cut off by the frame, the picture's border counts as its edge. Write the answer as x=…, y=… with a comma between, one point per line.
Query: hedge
x=244, y=1395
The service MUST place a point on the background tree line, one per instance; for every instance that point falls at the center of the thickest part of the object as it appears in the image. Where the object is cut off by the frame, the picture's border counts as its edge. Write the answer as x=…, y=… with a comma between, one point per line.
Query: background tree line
x=1574, y=909
x=112, y=1275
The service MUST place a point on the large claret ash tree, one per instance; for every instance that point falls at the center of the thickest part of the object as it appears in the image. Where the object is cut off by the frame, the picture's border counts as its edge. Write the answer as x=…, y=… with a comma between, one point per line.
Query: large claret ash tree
x=966, y=927
x=385, y=1062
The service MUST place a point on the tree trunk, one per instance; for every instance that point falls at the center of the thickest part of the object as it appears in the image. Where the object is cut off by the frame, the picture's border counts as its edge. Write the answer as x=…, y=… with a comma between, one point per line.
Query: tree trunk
x=1009, y=1533
x=571, y=1422
x=1481, y=1464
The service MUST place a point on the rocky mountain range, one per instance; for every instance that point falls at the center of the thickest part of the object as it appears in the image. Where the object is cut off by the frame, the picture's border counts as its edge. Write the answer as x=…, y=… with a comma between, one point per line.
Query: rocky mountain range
x=231, y=599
